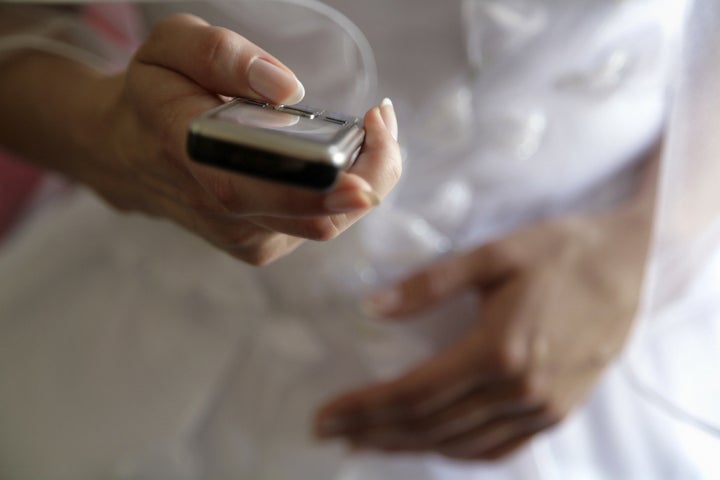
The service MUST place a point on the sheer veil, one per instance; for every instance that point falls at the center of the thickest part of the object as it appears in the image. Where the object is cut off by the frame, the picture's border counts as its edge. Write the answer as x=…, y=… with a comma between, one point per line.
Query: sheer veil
x=673, y=359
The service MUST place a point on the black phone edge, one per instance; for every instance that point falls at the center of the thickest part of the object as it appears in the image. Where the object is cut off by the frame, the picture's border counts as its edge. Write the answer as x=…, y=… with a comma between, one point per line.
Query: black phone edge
x=261, y=164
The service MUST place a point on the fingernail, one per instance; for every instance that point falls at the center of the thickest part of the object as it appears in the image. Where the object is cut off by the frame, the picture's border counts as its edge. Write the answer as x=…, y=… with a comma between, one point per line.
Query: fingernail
x=383, y=303
x=351, y=200
x=387, y=112
x=272, y=82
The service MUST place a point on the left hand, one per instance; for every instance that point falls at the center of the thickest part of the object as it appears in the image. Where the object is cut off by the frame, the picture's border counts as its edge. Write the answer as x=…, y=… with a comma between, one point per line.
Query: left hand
x=557, y=303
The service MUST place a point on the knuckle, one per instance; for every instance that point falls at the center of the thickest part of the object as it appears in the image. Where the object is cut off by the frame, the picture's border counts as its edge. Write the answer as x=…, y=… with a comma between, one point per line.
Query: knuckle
x=551, y=414
x=224, y=191
x=259, y=258
x=438, y=280
x=530, y=389
x=237, y=240
x=506, y=255
x=166, y=26
x=396, y=169
x=255, y=255
x=235, y=243
x=215, y=44
x=509, y=361
x=321, y=229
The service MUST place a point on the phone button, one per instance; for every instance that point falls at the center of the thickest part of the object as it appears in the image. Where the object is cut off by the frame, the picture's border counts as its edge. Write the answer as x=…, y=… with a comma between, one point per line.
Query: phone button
x=301, y=110
x=257, y=103
x=335, y=120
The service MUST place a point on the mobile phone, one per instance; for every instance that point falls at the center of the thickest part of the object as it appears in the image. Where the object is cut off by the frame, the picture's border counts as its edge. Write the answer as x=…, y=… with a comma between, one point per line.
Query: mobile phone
x=295, y=144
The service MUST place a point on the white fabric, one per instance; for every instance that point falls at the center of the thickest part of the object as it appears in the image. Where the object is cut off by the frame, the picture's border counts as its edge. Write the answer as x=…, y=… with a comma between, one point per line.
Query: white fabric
x=673, y=358
x=129, y=350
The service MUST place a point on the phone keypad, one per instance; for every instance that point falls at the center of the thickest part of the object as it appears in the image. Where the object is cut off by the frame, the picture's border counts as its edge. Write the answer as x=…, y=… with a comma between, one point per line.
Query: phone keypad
x=257, y=103
x=301, y=110
x=336, y=118
x=305, y=111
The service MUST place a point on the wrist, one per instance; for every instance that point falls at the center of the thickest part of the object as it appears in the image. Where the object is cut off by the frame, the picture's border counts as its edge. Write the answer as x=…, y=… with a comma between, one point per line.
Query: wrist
x=51, y=110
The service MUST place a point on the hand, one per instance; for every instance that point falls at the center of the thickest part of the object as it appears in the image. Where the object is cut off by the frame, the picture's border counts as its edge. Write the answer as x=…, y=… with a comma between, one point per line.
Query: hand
x=140, y=163
x=557, y=301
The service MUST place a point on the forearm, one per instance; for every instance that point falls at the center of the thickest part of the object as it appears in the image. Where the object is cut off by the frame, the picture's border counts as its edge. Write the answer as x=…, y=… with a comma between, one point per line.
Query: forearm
x=52, y=110
x=50, y=98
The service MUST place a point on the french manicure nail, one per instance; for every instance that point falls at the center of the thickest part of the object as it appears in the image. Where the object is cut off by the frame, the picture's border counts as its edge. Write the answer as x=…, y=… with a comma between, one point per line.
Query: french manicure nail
x=387, y=112
x=272, y=82
x=351, y=200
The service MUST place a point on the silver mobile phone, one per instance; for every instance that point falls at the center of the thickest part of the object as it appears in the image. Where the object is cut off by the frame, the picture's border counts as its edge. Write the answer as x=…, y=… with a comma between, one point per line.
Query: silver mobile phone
x=297, y=144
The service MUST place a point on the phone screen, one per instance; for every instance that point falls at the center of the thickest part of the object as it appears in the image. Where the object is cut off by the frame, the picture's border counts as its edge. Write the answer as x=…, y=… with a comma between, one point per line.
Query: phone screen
x=268, y=118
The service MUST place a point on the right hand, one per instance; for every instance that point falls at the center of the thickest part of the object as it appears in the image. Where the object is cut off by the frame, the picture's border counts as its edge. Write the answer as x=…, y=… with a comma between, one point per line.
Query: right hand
x=141, y=163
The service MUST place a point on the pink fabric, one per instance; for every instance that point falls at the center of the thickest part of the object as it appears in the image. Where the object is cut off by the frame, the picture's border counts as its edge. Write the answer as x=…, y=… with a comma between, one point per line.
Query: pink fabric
x=18, y=181
x=120, y=27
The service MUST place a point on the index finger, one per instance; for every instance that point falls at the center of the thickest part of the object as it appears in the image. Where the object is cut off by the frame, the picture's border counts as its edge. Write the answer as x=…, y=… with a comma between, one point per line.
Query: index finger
x=219, y=60
x=427, y=389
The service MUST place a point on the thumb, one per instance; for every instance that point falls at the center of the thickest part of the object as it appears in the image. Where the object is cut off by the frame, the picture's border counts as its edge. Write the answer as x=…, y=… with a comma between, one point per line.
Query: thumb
x=441, y=281
x=219, y=60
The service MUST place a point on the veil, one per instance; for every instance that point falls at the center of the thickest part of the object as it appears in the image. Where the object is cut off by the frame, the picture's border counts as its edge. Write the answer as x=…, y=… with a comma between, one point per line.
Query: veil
x=673, y=357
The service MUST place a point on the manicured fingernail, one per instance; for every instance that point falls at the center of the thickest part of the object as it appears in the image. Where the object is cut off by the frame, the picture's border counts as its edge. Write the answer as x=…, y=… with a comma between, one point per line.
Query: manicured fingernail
x=383, y=303
x=387, y=112
x=273, y=83
x=351, y=200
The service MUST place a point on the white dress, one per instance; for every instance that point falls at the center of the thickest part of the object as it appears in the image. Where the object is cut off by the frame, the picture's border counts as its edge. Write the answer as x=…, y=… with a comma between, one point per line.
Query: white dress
x=131, y=350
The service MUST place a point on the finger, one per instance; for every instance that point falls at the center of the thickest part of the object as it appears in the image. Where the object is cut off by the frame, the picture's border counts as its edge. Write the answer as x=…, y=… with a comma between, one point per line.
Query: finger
x=265, y=253
x=237, y=194
x=219, y=60
x=245, y=195
x=471, y=413
x=373, y=175
x=507, y=448
x=426, y=390
x=245, y=240
x=380, y=161
x=321, y=228
x=496, y=437
x=441, y=281
x=241, y=239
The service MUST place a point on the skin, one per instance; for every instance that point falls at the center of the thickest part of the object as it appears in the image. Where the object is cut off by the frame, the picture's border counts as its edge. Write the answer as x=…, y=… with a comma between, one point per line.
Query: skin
x=558, y=302
x=124, y=136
